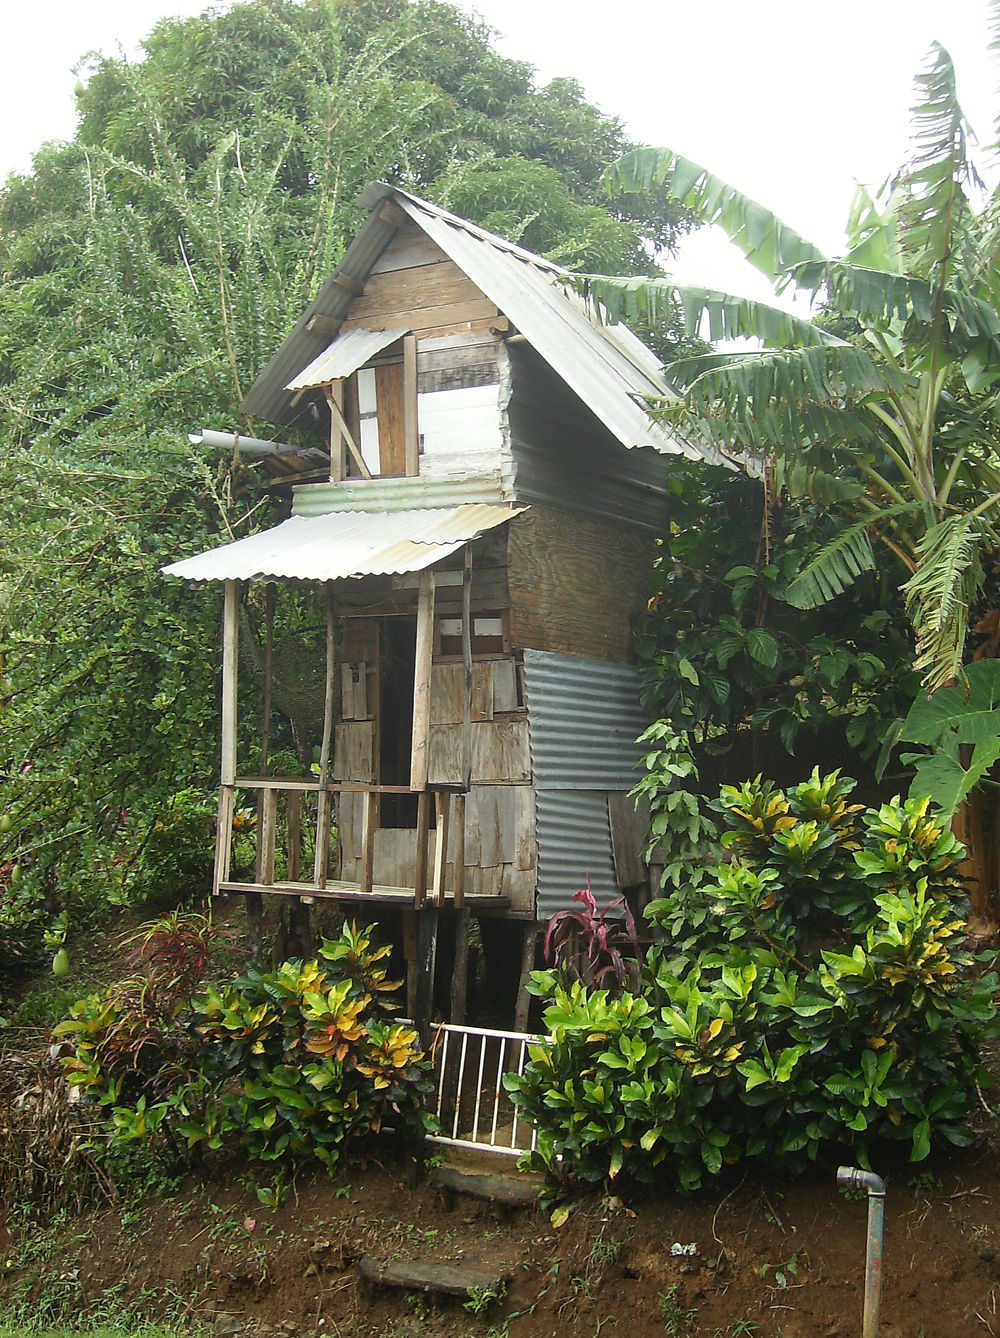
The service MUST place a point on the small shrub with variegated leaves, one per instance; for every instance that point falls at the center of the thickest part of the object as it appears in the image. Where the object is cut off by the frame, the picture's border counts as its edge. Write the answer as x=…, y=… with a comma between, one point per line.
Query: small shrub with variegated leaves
x=814, y=997
x=290, y=1063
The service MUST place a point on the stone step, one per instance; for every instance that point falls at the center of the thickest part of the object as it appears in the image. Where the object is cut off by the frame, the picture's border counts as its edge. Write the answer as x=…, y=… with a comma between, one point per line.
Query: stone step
x=513, y=1191
x=415, y=1275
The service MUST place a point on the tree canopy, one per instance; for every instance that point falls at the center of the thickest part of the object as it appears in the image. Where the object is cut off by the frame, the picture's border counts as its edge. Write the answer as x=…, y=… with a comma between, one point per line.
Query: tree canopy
x=149, y=268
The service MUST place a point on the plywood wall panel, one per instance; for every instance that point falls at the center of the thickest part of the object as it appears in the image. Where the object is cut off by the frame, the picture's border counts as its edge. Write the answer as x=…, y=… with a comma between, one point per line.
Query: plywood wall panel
x=574, y=583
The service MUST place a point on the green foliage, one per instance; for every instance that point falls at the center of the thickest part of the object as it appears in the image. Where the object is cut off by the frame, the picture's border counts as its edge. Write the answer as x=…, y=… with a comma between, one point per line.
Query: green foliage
x=148, y=269
x=724, y=646
x=279, y=1065
x=819, y=999
x=964, y=716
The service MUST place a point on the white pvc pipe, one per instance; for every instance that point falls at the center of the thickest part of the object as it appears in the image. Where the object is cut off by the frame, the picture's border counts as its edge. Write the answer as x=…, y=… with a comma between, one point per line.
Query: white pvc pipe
x=251, y=446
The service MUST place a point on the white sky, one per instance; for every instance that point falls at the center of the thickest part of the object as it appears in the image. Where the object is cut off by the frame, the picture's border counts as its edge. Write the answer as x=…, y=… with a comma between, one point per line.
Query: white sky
x=791, y=100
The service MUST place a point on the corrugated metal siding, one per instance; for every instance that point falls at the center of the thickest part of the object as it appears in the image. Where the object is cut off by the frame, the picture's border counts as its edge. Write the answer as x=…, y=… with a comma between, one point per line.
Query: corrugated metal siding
x=584, y=717
x=565, y=457
x=345, y=355
x=344, y=544
x=395, y=494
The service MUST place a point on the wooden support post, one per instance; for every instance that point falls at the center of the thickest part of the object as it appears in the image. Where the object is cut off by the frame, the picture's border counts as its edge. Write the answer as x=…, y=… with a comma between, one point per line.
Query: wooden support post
x=230, y=667
x=338, y=423
x=527, y=966
x=411, y=432
x=422, y=682
x=458, y=851
x=266, y=837
x=467, y=666
x=338, y=460
x=293, y=810
x=420, y=870
x=223, y=837
x=323, y=804
x=254, y=901
x=442, y=818
x=410, y=957
x=368, y=810
x=427, y=932
x=460, y=972
x=299, y=929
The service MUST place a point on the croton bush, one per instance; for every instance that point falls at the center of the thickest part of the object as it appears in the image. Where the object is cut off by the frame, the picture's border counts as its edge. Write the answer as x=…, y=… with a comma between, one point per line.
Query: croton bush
x=811, y=994
x=280, y=1064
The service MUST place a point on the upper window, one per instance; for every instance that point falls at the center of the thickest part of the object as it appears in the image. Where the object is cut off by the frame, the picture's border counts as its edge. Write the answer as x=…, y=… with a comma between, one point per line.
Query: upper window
x=373, y=407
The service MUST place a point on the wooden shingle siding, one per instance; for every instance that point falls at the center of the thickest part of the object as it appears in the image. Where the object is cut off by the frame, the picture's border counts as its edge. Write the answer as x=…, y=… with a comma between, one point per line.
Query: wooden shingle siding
x=574, y=583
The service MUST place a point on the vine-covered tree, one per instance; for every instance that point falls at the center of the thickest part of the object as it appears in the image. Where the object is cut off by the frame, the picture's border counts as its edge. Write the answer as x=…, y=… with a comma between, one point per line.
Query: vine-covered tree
x=148, y=269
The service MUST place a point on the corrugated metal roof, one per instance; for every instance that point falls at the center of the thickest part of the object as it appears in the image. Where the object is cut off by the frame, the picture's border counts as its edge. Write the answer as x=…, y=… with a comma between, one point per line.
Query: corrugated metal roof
x=345, y=544
x=584, y=718
x=345, y=355
x=607, y=366
x=395, y=494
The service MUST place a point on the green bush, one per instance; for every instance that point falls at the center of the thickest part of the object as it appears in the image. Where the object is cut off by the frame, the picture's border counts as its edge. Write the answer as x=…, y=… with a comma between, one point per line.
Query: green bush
x=814, y=995
x=290, y=1063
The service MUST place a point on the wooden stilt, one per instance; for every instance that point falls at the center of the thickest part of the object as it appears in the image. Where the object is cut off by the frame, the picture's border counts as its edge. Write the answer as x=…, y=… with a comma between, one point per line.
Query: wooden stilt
x=293, y=812
x=422, y=682
x=254, y=901
x=300, y=942
x=324, y=802
x=460, y=971
x=420, y=872
x=427, y=933
x=467, y=667
x=442, y=815
x=410, y=955
x=458, y=851
x=527, y=966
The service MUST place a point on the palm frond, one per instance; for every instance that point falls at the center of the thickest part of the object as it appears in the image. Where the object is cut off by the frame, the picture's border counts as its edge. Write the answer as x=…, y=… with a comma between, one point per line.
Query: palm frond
x=729, y=317
x=879, y=297
x=935, y=204
x=838, y=564
x=769, y=244
x=939, y=593
x=784, y=398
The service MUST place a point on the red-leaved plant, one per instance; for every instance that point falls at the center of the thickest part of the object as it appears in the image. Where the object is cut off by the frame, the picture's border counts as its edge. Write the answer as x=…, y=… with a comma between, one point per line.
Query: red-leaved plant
x=598, y=947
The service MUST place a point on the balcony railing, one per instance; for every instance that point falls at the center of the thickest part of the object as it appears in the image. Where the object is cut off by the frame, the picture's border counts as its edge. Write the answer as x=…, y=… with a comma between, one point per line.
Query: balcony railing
x=430, y=875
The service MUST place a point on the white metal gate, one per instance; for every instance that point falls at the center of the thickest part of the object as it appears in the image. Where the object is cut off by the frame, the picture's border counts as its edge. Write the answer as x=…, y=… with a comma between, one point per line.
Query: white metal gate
x=472, y=1106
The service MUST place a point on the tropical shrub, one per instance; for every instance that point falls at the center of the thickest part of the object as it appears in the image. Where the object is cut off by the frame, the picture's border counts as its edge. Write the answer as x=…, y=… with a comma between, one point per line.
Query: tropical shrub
x=279, y=1064
x=598, y=947
x=820, y=999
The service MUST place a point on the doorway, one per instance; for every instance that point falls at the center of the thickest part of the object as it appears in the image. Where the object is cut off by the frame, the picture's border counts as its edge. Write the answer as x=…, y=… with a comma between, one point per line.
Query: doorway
x=397, y=666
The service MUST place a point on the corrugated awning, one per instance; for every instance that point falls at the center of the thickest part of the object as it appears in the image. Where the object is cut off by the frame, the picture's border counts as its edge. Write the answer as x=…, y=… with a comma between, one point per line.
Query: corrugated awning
x=343, y=357
x=345, y=544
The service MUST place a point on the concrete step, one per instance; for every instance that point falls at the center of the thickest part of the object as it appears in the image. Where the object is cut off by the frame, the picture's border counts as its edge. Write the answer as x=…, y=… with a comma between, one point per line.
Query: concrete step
x=513, y=1190
x=415, y=1275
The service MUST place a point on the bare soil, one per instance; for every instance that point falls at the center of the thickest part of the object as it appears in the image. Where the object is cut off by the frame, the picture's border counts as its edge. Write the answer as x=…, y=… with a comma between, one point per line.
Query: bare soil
x=772, y=1258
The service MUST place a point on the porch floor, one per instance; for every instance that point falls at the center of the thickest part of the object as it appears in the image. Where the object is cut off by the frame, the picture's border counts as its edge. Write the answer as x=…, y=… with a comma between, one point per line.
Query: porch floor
x=338, y=890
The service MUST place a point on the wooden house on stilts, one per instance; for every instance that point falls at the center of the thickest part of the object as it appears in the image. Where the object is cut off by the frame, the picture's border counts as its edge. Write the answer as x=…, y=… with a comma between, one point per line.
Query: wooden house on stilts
x=484, y=532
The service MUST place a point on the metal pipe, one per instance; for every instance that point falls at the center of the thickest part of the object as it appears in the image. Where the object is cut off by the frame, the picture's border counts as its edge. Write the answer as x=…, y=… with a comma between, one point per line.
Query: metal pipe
x=250, y=446
x=851, y=1178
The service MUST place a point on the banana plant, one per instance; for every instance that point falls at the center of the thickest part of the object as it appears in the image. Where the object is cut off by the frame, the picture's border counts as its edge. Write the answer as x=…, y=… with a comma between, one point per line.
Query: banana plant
x=888, y=392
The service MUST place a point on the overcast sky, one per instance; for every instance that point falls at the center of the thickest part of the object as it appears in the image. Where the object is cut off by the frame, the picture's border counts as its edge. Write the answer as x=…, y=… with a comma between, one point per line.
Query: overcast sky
x=791, y=100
